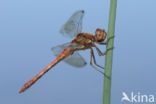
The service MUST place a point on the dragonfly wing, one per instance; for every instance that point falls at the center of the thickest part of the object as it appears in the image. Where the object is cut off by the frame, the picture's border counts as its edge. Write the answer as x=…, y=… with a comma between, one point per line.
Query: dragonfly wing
x=75, y=59
x=74, y=25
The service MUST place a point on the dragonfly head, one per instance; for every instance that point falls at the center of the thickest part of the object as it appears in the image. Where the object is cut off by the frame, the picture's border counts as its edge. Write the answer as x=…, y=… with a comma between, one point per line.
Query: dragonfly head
x=100, y=35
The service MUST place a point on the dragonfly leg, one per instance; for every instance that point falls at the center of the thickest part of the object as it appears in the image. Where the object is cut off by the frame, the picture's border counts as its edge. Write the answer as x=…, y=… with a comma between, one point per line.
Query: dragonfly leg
x=92, y=56
x=100, y=53
x=94, y=60
x=105, y=43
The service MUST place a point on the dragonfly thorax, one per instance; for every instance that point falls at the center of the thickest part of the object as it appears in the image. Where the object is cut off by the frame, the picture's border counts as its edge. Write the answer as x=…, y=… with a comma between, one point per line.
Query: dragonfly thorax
x=100, y=35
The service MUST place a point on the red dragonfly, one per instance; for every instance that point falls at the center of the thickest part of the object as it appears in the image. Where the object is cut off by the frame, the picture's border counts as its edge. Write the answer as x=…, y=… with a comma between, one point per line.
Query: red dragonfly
x=68, y=52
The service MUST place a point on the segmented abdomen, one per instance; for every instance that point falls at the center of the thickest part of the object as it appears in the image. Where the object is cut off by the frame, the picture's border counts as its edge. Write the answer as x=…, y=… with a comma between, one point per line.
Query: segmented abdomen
x=64, y=53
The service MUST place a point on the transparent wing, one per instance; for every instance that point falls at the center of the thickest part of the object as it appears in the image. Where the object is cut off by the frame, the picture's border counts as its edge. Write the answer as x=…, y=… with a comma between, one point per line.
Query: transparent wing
x=75, y=59
x=74, y=25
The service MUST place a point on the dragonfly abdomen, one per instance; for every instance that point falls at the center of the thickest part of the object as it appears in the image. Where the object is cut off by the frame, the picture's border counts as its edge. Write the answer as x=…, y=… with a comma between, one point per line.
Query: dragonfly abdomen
x=64, y=54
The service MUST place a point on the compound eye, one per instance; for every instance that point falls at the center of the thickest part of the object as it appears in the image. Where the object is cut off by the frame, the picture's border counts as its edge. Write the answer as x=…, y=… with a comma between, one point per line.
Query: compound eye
x=98, y=36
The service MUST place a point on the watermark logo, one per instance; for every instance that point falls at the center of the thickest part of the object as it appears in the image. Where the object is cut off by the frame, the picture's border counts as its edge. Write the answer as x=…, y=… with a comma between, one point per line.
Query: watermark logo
x=137, y=97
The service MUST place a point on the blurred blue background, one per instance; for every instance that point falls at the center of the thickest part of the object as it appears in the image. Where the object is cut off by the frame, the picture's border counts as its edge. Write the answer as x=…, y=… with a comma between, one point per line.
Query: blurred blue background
x=29, y=28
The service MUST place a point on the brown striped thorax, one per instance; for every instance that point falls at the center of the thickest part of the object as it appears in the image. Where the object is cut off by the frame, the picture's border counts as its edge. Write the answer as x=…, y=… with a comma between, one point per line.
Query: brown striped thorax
x=88, y=39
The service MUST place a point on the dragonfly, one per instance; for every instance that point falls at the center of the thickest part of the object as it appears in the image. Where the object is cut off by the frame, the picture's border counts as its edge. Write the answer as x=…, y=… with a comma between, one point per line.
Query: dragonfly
x=68, y=52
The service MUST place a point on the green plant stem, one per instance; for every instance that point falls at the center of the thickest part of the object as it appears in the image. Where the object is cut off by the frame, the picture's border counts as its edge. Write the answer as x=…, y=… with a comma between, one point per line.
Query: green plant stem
x=109, y=55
